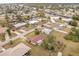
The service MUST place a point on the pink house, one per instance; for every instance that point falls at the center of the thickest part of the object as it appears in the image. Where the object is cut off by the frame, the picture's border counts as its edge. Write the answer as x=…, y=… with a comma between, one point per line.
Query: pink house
x=36, y=39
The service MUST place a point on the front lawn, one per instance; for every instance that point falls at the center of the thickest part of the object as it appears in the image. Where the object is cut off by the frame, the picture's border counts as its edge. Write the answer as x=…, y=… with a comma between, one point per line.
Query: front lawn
x=14, y=43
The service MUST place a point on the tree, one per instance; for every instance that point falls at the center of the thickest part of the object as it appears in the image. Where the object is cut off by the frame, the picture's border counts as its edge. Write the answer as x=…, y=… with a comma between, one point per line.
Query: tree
x=49, y=17
x=37, y=32
x=27, y=11
x=49, y=43
x=7, y=17
x=9, y=32
x=11, y=42
x=73, y=35
x=60, y=18
x=19, y=17
x=75, y=17
x=41, y=7
x=73, y=23
x=40, y=14
x=27, y=17
x=27, y=25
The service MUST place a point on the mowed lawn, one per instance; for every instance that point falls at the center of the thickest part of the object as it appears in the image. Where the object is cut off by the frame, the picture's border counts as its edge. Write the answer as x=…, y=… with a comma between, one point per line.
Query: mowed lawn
x=30, y=34
x=15, y=42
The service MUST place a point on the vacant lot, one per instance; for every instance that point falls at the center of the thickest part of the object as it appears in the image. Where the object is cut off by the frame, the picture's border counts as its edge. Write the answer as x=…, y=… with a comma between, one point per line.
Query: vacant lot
x=72, y=48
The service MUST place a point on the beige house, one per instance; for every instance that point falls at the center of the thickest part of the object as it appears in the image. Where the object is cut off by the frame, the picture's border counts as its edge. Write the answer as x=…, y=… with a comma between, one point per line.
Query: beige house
x=18, y=50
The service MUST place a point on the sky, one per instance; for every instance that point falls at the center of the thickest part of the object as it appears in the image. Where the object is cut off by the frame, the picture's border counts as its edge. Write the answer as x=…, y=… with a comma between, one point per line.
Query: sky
x=39, y=1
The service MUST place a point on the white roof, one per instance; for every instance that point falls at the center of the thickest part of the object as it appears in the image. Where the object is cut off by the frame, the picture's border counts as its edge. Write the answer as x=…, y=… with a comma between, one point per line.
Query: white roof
x=33, y=21
x=39, y=19
x=19, y=25
x=61, y=25
x=47, y=10
x=39, y=42
x=47, y=25
x=67, y=19
x=18, y=50
x=46, y=30
x=53, y=21
x=55, y=17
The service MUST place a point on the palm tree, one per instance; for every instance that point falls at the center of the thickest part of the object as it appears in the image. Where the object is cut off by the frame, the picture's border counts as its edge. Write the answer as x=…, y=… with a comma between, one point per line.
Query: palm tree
x=9, y=32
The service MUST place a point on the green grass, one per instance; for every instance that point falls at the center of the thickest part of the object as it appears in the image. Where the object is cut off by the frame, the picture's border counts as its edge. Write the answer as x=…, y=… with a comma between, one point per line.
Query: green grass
x=15, y=42
x=60, y=21
x=2, y=38
x=30, y=34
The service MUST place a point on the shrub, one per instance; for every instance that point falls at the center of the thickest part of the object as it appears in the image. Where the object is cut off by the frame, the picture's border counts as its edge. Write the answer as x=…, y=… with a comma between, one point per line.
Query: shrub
x=73, y=23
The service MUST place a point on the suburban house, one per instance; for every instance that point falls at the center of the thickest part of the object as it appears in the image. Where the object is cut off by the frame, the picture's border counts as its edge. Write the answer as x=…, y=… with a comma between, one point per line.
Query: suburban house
x=18, y=25
x=47, y=25
x=36, y=40
x=33, y=22
x=19, y=50
x=54, y=19
x=60, y=26
x=67, y=19
x=46, y=31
